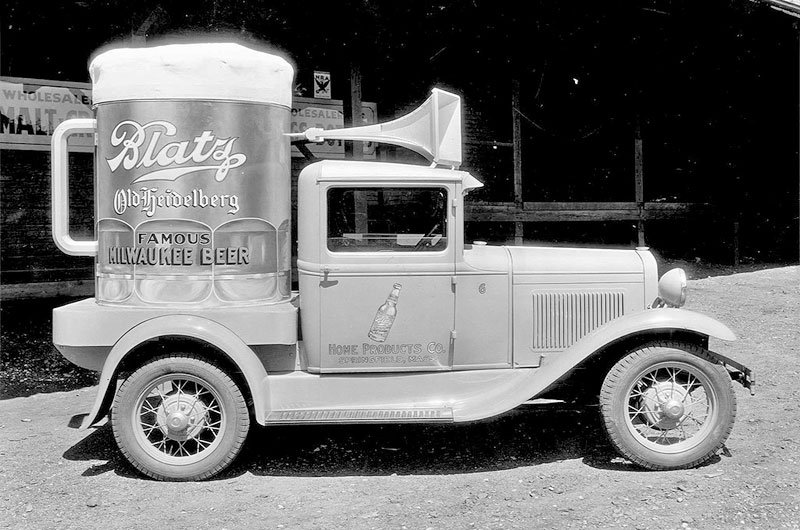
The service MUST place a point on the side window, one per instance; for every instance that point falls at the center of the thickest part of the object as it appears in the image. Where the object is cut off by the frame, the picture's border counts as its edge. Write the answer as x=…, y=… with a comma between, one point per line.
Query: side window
x=387, y=219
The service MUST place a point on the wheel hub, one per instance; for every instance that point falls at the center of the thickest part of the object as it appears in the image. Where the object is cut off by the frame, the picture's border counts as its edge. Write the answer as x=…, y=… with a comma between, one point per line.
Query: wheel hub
x=663, y=404
x=673, y=409
x=181, y=417
x=177, y=421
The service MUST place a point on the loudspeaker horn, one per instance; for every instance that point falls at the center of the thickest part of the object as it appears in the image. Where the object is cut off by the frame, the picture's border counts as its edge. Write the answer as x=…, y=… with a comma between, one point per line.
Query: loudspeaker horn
x=432, y=130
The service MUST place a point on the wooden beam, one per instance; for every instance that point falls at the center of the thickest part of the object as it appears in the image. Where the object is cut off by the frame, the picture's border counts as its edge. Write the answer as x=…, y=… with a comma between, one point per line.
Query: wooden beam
x=488, y=143
x=638, y=172
x=516, y=140
x=554, y=206
x=14, y=291
x=584, y=211
x=550, y=216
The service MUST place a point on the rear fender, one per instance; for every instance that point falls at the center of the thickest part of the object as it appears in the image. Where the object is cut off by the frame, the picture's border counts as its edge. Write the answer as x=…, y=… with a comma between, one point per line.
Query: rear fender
x=529, y=383
x=188, y=326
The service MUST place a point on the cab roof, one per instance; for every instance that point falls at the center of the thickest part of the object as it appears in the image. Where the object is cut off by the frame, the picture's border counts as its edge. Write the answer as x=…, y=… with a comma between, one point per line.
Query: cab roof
x=359, y=170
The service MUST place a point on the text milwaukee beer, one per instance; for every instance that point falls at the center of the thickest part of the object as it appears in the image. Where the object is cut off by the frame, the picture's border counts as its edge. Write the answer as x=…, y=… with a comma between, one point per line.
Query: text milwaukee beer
x=193, y=184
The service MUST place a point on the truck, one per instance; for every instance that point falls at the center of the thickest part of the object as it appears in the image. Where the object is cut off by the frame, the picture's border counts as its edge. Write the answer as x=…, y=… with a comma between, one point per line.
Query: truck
x=197, y=335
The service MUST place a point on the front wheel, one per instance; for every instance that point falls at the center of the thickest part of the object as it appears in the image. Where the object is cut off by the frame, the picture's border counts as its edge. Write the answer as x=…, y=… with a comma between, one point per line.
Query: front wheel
x=179, y=417
x=668, y=406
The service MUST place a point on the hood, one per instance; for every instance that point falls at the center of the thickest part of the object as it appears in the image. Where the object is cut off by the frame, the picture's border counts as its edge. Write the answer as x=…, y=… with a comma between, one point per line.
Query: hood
x=570, y=261
x=631, y=274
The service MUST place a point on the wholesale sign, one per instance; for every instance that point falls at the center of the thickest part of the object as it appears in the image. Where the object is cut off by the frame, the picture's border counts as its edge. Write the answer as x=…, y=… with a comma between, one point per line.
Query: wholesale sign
x=31, y=109
x=309, y=112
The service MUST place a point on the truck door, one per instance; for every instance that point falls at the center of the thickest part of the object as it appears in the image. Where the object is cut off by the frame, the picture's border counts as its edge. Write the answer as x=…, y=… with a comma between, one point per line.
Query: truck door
x=387, y=301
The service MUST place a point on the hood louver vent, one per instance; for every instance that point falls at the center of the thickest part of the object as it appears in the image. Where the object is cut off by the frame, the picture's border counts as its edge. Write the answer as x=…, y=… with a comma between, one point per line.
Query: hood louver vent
x=562, y=318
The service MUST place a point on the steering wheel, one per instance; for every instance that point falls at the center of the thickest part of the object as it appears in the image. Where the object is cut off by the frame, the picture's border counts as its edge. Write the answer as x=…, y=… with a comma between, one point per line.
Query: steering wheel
x=428, y=234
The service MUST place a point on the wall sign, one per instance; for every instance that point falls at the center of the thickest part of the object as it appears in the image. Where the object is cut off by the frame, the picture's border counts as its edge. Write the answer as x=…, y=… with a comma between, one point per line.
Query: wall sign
x=309, y=112
x=31, y=109
x=322, y=85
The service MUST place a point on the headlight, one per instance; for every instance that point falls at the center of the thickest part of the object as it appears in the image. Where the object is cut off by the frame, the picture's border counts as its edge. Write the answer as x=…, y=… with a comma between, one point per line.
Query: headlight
x=672, y=288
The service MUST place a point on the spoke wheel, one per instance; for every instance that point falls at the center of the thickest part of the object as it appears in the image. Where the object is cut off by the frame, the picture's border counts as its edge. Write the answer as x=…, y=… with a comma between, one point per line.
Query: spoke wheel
x=180, y=418
x=668, y=406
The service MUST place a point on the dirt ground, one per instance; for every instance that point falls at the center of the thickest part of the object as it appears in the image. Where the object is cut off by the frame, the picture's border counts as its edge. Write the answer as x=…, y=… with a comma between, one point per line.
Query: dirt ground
x=536, y=467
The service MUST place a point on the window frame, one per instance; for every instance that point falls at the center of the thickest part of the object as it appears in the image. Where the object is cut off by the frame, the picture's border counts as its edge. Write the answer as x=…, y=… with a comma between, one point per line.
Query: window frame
x=383, y=253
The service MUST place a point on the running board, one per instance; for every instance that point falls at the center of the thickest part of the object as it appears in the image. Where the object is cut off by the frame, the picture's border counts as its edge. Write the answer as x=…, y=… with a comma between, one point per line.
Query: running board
x=409, y=415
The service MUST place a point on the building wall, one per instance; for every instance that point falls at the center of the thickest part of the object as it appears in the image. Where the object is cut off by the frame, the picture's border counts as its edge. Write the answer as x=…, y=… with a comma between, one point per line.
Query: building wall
x=27, y=251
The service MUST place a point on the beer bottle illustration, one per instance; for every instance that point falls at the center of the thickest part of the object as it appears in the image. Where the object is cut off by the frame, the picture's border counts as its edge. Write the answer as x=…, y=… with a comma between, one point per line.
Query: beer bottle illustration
x=385, y=316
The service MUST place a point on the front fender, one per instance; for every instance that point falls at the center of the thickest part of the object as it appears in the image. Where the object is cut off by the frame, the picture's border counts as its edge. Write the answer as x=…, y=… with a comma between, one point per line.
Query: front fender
x=667, y=318
x=189, y=326
x=661, y=320
x=534, y=382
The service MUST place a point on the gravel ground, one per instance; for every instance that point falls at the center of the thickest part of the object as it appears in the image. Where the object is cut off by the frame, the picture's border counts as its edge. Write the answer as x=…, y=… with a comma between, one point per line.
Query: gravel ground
x=535, y=467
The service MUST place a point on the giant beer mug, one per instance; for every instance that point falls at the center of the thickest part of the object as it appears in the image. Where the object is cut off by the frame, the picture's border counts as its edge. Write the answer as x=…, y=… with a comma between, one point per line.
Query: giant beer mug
x=192, y=176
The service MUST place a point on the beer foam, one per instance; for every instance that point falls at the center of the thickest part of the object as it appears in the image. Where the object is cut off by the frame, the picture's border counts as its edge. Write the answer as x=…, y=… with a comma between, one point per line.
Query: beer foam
x=223, y=71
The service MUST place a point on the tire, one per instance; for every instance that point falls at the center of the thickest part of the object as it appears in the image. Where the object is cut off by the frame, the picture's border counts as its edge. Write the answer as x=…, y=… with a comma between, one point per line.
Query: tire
x=179, y=417
x=668, y=406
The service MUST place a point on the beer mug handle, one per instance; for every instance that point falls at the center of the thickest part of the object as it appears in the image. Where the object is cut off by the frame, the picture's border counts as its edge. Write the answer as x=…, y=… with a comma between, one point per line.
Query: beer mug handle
x=60, y=188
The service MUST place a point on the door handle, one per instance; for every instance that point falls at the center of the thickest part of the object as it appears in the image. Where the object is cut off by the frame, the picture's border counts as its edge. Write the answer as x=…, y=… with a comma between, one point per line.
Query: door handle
x=325, y=282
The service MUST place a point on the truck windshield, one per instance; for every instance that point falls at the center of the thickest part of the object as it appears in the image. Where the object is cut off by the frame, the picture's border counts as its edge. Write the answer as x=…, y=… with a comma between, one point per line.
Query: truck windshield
x=399, y=219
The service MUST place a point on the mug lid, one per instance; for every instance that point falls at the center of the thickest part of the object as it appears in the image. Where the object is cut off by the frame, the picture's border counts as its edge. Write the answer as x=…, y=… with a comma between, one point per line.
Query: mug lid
x=225, y=71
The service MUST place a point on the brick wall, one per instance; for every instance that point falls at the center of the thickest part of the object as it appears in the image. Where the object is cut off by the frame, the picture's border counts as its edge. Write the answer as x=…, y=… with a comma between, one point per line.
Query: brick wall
x=27, y=251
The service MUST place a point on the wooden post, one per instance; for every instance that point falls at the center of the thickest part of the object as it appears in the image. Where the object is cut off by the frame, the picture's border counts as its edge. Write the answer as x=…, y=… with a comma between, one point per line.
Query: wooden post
x=356, y=149
x=736, y=243
x=638, y=171
x=360, y=211
x=155, y=19
x=355, y=107
x=517, y=156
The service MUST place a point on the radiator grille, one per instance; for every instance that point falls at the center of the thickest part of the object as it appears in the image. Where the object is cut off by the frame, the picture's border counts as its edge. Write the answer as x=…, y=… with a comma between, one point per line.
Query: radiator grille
x=562, y=318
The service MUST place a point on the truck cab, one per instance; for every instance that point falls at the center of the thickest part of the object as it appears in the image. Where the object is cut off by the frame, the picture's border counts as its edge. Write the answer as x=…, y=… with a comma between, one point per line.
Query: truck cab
x=366, y=229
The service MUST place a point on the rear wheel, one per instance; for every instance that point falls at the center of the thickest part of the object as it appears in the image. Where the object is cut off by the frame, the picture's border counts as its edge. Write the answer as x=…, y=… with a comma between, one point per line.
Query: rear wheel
x=668, y=406
x=180, y=417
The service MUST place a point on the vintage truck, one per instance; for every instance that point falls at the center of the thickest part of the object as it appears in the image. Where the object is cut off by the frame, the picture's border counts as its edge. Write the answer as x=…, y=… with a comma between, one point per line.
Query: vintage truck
x=398, y=319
